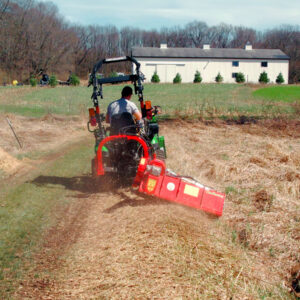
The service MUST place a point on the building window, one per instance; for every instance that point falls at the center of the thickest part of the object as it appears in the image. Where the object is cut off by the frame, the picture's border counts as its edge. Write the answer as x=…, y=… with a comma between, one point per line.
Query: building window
x=234, y=75
x=235, y=63
x=264, y=63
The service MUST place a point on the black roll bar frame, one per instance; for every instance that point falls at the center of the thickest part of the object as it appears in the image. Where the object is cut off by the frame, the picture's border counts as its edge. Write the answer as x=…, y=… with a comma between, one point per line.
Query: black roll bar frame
x=136, y=78
x=97, y=83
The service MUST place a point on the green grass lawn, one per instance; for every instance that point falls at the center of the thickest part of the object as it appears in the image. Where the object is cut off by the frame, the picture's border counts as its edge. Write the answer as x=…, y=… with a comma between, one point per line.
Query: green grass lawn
x=279, y=93
x=177, y=100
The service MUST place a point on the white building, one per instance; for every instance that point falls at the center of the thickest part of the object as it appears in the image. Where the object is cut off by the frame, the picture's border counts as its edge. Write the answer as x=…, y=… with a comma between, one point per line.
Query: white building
x=167, y=62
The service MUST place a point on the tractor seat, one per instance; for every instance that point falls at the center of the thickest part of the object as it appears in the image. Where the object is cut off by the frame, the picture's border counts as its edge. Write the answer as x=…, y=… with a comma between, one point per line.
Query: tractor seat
x=122, y=124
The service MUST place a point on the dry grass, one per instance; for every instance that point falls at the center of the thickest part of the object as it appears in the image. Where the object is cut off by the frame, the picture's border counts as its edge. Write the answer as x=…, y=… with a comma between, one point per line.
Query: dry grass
x=38, y=135
x=147, y=249
x=260, y=171
x=130, y=246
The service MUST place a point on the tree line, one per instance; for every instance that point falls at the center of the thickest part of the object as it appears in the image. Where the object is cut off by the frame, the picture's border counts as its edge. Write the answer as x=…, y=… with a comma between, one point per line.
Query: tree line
x=35, y=38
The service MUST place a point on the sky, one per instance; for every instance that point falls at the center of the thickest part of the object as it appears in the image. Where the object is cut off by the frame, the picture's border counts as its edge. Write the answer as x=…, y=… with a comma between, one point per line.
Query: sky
x=155, y=14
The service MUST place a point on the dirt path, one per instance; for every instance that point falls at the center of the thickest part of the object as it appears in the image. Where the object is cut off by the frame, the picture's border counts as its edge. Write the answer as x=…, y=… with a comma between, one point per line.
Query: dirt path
x=111, y=249
x=115, y=244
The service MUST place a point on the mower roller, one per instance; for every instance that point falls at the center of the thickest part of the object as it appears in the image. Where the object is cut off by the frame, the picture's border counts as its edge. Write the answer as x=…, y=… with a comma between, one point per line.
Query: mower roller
x=126, y=153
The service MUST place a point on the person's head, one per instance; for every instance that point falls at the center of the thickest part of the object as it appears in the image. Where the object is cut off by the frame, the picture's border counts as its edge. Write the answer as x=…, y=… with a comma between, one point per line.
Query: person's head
x=127, y=92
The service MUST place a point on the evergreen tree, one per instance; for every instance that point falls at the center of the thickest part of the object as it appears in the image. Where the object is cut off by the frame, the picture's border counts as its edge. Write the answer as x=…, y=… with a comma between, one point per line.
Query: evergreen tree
x=280, y=78
x=74, y=80
x=177, y=78
x=33, y=81
x=53, y=81
x=263, y=77
x=240, y=78
x=197, y=78
x=219, y=78
x=155, y=78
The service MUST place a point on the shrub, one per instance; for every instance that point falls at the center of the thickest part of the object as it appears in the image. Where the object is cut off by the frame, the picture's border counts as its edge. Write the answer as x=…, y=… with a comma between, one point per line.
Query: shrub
x=98, y=76
x=219, y=78
x=240, y=78
x=113, y=74
x=263, y=77
x=279, y=78
x=53, y=81
x=197, y=78
x=177, y=78
x=74, y=80
x=33, y=81
x=155, y=78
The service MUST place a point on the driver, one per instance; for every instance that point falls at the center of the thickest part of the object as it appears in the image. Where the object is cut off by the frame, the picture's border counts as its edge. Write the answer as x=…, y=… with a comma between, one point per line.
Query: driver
x=124, y=105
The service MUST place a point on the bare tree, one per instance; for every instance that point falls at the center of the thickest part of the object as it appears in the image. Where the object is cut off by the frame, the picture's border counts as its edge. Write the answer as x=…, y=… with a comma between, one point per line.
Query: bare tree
x=151, y=38
x=242, y=35
x=130, y=37
x=3, y=7
x=220, y=36
x=176, y=37
x=286, y=38
x=197, y=33
x=33, y=36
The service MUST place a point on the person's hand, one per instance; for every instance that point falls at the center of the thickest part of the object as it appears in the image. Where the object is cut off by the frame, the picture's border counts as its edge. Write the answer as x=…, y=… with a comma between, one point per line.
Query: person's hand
x=142, y=131
x=140, y=123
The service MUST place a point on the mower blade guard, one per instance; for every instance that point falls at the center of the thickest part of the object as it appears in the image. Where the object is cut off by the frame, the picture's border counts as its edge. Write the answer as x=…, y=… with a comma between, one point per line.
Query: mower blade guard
x=169, y=186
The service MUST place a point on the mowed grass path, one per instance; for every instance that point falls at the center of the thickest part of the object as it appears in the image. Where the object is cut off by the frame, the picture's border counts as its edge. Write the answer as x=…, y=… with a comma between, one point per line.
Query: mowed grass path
x=182, y=100
x=28, y=209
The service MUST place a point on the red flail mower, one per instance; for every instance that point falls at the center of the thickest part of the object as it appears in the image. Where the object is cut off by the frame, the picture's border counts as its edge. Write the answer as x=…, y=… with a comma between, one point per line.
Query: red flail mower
x=123, y=151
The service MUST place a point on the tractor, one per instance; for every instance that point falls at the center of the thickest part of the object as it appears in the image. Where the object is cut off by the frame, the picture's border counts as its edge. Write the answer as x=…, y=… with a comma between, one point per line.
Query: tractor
x=136, y=157
x=121, y=146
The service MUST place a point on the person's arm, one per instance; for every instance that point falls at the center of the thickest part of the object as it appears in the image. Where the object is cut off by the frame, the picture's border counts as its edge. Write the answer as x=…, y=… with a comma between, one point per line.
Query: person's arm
x=107, y=114
x=107, y=118
x=137, y=115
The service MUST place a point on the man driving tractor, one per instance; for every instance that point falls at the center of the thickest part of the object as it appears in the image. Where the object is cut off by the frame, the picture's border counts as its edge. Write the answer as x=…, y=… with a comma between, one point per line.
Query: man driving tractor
x=119, y=110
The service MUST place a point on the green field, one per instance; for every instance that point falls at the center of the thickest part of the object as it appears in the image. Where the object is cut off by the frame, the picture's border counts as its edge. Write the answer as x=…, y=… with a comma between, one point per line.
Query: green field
x=279, y=93
x=206, y=101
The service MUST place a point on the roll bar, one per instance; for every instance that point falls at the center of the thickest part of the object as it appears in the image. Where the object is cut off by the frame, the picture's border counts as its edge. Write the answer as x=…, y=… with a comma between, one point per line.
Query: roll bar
x=136, y=78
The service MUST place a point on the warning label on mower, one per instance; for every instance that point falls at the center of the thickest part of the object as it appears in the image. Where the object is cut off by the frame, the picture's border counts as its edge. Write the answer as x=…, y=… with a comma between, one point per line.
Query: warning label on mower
x=191, y=190
x=151, y=184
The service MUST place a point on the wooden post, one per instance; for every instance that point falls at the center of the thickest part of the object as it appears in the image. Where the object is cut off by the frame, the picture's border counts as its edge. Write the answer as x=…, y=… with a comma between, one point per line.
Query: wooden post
x=12, y=129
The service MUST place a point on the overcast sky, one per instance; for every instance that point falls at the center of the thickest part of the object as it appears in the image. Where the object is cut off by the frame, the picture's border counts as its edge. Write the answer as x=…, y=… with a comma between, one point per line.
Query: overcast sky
x=154, y=14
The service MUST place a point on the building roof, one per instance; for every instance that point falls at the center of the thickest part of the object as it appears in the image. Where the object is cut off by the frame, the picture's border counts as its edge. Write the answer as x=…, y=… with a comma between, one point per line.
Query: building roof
x=151, y=52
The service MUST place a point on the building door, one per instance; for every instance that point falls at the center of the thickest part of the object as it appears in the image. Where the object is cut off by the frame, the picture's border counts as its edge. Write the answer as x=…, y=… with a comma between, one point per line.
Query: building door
x=170, y=73
x=150, y=69
x=161, y=72
x=166, y=73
